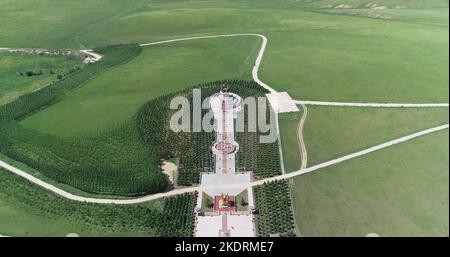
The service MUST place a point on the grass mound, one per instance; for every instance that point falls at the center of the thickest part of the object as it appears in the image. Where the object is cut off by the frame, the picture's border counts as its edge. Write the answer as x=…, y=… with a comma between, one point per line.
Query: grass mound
x=194, y=149
x=125, y=160
x=111, y=163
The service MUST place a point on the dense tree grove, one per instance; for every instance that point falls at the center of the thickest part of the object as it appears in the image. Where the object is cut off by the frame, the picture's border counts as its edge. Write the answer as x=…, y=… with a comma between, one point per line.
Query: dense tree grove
x=194, y=149
x=125, y=160
x=110, y=163
x=273, y=206
x=172, y=216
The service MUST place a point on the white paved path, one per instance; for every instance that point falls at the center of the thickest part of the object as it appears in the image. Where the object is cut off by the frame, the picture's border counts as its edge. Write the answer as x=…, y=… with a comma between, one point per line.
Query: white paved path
x=193, y=189
x=379, y=105
x=258, y=58
x=261, y=83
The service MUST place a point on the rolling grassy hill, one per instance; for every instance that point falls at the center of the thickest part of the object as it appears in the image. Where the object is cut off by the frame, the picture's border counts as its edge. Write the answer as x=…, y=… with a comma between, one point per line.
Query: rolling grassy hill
x=311, y=54
x=113, y=97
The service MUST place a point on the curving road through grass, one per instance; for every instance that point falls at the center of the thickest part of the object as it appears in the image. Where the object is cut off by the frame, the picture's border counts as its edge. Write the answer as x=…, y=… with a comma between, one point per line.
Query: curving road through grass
x=303, y=169
x=193, y=189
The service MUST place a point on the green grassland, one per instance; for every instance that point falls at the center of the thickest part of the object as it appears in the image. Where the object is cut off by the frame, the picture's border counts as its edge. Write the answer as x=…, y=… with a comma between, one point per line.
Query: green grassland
x=112, y=162
x=399, y=191
x=314, y=53
x=311, y=53
x=410, y=4
x=125, y=160
x=341, y=58
x=288, y=123
x=333, y=132
x=28, y=210
x=114, y=96
x=12, y=84
x=431, y=17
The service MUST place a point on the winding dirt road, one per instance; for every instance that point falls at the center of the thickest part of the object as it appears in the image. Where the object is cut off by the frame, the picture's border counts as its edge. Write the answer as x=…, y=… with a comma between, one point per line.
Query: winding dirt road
x=193, y=189
x=300, y=139
x=303, y=169
x=258, y=57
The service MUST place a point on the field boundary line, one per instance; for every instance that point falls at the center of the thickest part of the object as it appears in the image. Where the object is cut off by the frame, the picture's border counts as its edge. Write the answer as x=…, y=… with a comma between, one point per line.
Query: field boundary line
x=146, y=198
x=381, y=105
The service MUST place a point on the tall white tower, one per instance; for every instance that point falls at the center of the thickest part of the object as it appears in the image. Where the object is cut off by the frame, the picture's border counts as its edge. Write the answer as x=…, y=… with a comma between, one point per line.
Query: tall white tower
x=225, y=106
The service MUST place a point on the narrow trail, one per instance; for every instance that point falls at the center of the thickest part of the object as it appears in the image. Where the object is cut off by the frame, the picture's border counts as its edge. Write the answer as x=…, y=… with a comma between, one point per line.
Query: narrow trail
x=300, y=139
x=258, y=57
x=255, y=76
x=377, y=105
x=142, y=199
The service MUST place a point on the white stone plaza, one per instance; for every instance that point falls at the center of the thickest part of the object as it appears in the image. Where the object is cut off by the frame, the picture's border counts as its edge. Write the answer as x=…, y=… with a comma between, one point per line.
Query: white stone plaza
x=225, y=221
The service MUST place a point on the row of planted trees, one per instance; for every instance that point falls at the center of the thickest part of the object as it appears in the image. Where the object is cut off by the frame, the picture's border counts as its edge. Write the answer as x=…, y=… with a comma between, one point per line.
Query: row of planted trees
x=125, y=160
x=173, y=216
x=115, y=162
x=273, y=207
x=194, y=149
x=111, y=163
x=32, y=102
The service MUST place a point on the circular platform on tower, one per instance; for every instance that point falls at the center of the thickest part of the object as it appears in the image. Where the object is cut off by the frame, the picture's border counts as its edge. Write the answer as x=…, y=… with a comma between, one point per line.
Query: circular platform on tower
x=226, y=101
x=225, y=147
